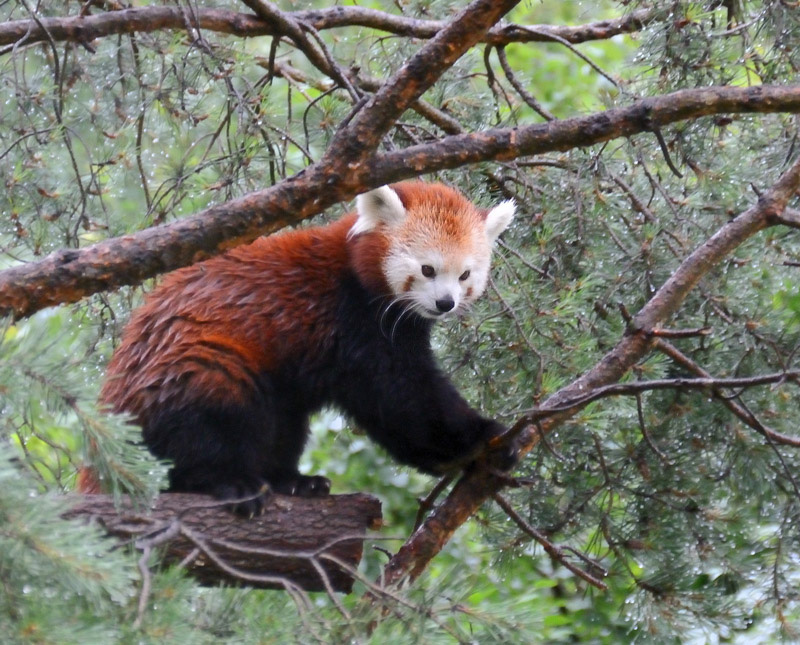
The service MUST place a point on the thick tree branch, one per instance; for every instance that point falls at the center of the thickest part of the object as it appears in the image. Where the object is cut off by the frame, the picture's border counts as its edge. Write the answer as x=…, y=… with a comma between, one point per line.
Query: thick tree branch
x=405, y=26
x=362, y=135
x=84, y=29
x=294, y=544
x=505, y=144
x=481, y=483
x=69, y=275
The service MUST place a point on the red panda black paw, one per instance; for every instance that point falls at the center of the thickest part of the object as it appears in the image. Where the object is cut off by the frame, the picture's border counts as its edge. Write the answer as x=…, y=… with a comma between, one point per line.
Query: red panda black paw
x=502, y=454
x=304, y=486
x=247, y=499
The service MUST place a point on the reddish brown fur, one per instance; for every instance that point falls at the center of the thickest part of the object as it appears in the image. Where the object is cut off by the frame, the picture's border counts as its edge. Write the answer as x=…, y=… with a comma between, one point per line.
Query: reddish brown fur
x=87, y=481
x=214, y=337
x=227, y=358
x=196, y=337
x=440, y=214
x=445, y=200
x=367, y=253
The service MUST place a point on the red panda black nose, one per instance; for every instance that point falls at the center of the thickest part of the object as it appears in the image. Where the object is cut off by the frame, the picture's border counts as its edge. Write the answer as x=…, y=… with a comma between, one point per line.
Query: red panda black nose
x=445, y=304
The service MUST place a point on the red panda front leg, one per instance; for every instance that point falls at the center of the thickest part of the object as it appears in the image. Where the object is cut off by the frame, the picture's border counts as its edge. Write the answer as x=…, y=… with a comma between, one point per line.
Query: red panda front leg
x=409, y=407
x=387, y=379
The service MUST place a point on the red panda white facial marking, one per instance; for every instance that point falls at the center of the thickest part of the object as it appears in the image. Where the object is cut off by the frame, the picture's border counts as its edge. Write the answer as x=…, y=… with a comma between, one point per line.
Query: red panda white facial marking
x=439, y=244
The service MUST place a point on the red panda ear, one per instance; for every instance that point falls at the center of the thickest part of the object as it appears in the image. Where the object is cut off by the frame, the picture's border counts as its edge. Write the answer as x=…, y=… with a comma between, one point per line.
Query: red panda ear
x=379, y=206
x=498, y=219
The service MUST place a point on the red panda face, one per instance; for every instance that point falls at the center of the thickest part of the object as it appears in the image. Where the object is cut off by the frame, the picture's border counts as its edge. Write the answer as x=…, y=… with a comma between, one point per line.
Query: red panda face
x=438, y=244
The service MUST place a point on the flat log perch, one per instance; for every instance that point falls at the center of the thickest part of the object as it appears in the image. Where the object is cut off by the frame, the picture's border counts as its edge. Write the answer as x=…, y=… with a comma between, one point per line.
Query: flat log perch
x=306, y=543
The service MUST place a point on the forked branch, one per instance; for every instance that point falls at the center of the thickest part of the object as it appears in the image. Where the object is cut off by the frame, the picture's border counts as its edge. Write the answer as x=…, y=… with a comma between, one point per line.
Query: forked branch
x=295, y=544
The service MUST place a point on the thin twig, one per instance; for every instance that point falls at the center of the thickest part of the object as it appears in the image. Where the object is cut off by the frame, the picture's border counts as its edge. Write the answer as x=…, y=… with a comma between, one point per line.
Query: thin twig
x=555, y=552
x=526, y=96
x=741, y=412
x=426, y=504
x=161, y=535
x=646, y=435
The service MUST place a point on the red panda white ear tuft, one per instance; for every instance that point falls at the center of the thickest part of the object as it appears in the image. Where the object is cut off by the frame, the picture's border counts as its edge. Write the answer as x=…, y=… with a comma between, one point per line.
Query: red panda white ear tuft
x=379, y=206
x=498, y=219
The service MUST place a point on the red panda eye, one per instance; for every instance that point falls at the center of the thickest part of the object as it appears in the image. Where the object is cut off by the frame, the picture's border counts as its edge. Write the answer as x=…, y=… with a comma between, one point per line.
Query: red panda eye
x=464, y=275
x=428, y=271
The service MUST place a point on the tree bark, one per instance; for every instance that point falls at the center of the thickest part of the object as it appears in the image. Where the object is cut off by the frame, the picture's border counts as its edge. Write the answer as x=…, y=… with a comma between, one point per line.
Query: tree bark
x=86, y=28
x=298, y=543
x=69, y=275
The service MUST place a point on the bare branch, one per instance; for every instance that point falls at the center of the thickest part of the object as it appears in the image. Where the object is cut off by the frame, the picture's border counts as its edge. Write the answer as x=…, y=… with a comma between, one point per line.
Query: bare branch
x=790, y=217
x=555, y=552
x=520, y=89
x=681, y=333
x=740, y=411
x=548, y=34
x=293, y=29
x=505, y=144
x=635, y=387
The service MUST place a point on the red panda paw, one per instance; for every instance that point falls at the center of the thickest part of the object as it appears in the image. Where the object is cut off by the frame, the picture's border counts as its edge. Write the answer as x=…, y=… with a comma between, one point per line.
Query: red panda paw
x=303, y=486
x=247, y=498
x=503, y=452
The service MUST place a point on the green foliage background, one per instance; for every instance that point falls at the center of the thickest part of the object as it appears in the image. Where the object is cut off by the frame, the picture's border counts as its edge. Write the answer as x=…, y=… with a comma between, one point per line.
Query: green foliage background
x=695, y=523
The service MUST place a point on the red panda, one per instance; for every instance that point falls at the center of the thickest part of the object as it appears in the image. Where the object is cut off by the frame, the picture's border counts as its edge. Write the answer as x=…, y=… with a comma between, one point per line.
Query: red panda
x=227, y=358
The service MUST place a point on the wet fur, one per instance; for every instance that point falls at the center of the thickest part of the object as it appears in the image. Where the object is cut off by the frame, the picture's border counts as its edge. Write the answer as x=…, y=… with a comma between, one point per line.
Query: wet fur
x=226, y=360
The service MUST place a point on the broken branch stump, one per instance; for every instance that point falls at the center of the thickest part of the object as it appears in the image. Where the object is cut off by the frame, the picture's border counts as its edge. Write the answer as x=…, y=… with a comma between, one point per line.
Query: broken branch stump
x=306, y=543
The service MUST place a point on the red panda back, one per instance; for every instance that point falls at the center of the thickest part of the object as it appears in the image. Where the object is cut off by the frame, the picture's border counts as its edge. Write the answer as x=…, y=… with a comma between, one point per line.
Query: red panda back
x=244, y=312
x=241, y=313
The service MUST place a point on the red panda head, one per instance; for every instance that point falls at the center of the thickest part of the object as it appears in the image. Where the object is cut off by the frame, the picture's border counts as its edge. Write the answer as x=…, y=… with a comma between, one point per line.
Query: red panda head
x=433, y=246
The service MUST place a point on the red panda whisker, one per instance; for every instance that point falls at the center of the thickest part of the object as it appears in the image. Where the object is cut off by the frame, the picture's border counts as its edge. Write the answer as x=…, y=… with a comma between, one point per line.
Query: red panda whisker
x=387, y=308
x=405, y=313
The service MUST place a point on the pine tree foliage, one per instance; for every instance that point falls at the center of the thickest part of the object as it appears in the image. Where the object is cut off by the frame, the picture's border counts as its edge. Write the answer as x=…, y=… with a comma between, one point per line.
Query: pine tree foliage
x=54, y=419
x=57, y=576
x=685, y=512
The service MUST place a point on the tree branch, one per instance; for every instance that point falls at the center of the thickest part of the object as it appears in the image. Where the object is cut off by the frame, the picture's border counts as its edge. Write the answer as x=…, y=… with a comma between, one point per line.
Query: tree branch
x=481, y=483
x=505, y=144
x=369, y=84
x=361, y=136
x=555, y=552
x=296, y=542
x=740, y=411
x=292, y=28
x=707, y=382
x=69, y=275
x=84, y=29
